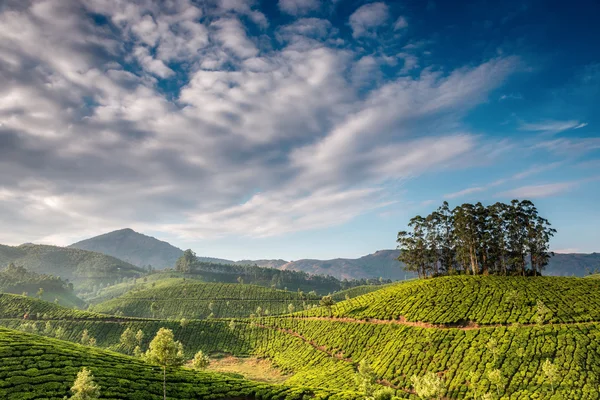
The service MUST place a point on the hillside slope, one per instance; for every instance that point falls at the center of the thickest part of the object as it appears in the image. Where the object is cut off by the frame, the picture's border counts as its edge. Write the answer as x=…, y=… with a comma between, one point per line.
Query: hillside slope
x=78, y=266
x=32, y=366
x=133, y=247
x=177, y=298
x=463, y=300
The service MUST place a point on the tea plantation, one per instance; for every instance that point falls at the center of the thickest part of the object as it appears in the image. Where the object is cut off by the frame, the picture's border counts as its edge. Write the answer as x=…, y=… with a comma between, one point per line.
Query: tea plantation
x=192, y=299
x=481, y=335
x=32, y=367
x=477, y=299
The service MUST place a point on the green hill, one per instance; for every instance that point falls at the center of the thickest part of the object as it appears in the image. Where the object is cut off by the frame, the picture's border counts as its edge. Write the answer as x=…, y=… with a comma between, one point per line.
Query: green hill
x=176, y=298
x=477, y=299
x=84, y=268
x=17, y=306
x=33, y=367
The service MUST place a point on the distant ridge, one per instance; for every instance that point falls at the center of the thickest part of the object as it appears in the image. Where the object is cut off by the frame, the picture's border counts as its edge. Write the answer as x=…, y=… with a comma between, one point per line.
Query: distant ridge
x=143, y=250
x=133, y=247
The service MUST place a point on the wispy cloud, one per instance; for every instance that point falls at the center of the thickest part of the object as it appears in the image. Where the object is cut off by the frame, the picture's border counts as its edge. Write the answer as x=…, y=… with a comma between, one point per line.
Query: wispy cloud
x=536, y=169
x=511, y=96
x=539, y=191
x=552, y=126
x=465, y=192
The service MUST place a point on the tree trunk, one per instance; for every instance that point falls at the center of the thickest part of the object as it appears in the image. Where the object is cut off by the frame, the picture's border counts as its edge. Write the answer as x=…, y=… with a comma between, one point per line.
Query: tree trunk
x=473, y=261
x=165, y=383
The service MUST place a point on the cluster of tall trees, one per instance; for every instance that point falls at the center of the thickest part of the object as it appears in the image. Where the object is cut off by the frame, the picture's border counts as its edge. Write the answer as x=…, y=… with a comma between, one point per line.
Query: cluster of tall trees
x=500, y=239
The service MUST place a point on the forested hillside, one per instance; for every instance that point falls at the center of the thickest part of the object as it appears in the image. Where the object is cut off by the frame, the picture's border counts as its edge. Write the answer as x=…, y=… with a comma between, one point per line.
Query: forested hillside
x=193, y=266
x=18, y=280
x=81, y=267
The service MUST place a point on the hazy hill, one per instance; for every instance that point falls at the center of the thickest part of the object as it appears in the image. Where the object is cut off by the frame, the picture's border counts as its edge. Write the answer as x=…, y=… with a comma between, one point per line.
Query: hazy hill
x=382, y=263
x=76, y=265
x=264, y=263
x=133, y=247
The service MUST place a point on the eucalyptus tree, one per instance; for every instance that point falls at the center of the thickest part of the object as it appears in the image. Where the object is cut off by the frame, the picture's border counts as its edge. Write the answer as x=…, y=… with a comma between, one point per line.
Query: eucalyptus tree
x=466, y=236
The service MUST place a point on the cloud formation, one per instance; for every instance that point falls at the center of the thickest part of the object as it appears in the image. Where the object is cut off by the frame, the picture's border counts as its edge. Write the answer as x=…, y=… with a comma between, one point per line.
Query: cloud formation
x=188, y=119
x=367, y=18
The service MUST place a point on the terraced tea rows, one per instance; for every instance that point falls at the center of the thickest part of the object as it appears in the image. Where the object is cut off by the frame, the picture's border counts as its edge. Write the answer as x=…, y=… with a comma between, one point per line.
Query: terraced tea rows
x=205, y=300
x=32, y=367
x=483, y=300
x=397, y=352
x=17, y=306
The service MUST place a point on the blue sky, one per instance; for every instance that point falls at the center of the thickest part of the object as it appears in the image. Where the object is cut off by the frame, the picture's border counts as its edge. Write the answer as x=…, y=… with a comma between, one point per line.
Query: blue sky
x=293, y=128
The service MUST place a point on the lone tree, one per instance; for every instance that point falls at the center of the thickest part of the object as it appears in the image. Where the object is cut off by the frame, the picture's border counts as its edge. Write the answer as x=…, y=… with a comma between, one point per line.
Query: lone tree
x=327, y=302
x=200, y=361
x=166, y=352
x=496, y=378
x=128, y=340
x=185, y=262
x=366, y=378
x=428, y=386
x=551, y=372
x=84, y=387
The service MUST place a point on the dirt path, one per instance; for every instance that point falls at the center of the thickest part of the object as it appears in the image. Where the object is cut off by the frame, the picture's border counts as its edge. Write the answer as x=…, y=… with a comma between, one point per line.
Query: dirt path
x=470, y=325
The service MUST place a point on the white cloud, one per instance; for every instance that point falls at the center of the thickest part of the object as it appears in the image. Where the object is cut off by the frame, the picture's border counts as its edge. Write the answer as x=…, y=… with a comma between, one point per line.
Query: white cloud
x=156, y=67
x=401, y=23
x=231, y=34
x=298, y=7
x=366, y=19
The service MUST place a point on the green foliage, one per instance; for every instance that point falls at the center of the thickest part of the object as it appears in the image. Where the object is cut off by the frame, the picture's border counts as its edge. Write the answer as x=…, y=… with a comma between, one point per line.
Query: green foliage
x=128, y=340
x=200, y=361
x=366, y=378
x=550, y=372
x=84, y=387
x=473, y=239
x=428, y=386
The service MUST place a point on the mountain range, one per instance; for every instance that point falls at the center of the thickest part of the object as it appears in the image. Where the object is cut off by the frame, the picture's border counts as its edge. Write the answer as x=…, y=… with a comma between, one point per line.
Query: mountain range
x=143, y=250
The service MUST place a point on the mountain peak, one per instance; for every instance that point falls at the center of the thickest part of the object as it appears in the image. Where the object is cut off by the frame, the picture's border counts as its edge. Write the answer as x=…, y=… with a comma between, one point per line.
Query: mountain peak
x=133, y=247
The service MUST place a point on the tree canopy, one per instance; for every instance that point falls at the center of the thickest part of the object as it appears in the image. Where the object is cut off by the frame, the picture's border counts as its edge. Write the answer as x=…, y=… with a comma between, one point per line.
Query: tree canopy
x=500, y=239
